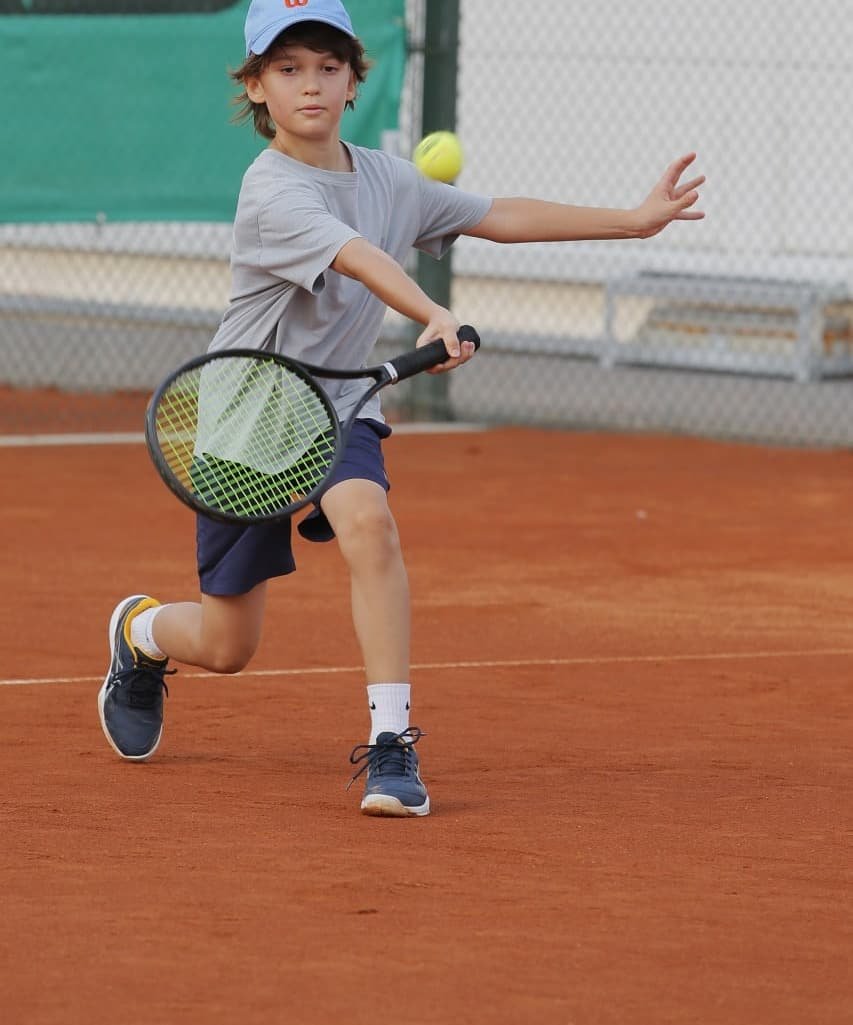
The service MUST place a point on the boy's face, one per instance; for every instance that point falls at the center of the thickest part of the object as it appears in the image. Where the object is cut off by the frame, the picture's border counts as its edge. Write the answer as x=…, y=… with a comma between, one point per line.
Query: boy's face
x=305, y=92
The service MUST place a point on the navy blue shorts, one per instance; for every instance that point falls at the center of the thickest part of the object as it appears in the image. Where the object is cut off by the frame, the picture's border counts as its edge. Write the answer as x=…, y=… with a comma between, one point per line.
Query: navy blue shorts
x=233, y=559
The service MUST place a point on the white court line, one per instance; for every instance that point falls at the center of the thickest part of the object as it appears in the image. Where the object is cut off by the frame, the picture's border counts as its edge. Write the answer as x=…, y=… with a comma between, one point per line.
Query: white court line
x=136, y=438
x=521, y=663
x=36, y=440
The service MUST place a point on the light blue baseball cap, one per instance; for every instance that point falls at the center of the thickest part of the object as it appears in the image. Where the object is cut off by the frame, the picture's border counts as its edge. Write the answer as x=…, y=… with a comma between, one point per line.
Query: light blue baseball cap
x=269, y=18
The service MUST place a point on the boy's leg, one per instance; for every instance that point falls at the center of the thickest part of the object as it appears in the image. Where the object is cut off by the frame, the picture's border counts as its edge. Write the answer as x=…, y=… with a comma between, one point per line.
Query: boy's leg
x=359, y=515
x=218, y=633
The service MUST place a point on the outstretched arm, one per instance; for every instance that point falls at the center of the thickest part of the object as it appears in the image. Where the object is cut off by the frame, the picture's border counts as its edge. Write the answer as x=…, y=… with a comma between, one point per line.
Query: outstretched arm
x=535, y=220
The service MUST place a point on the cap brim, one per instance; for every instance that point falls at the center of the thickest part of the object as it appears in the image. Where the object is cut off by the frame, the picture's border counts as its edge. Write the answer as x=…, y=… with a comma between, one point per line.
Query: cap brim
x=266, y=38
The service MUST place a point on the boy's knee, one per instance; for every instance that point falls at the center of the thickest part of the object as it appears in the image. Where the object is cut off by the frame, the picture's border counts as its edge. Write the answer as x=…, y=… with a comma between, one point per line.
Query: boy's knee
x=228, y=659
x=369, y=529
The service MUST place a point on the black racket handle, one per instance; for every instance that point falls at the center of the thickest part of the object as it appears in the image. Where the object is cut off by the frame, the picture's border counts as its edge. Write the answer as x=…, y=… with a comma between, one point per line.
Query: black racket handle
x=428, y=356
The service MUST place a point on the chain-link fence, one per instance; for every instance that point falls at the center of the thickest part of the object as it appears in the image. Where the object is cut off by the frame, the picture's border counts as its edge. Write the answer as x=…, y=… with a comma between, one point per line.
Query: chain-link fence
x=736, y=326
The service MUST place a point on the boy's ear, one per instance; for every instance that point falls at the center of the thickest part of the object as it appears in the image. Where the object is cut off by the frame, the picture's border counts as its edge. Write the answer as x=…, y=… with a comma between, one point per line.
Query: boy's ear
x=352, y=87
x=255, y=91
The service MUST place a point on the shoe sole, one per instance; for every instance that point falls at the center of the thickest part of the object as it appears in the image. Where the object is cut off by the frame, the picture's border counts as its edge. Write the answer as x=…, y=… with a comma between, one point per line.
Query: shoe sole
x=102, y=693
x=391, y=807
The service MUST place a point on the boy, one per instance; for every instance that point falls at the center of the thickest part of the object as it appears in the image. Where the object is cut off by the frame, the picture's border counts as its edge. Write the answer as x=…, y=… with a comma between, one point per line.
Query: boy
x=321, y=230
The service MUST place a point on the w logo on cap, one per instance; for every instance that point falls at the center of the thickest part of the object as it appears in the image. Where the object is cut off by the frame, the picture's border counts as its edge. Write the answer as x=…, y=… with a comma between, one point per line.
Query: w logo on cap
x=267, y=19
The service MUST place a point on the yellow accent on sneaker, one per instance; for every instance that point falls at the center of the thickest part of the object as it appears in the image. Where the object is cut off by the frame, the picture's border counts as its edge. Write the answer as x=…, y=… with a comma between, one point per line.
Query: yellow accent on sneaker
x=146, y=603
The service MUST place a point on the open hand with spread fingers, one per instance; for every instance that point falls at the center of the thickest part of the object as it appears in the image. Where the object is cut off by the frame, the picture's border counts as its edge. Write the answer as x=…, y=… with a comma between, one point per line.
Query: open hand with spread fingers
x=670, y=200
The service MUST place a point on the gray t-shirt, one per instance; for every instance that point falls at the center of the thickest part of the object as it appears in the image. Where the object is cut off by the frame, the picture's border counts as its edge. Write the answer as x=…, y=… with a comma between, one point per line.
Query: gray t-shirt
x=292, y=221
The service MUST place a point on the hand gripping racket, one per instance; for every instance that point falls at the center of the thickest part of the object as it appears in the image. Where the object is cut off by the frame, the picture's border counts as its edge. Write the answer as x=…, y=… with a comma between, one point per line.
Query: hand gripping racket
x=245, y=436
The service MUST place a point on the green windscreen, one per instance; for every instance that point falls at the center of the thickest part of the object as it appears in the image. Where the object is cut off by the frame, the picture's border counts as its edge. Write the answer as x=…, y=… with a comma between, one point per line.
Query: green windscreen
x=127, y=116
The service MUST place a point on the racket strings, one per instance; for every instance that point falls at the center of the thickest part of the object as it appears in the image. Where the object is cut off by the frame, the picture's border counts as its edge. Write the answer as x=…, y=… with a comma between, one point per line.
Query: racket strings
x=246, y=437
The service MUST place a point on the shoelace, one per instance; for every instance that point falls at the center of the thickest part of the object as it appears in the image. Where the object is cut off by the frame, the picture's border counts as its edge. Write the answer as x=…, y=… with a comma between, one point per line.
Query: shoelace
x=392, y=756
x=145, y=684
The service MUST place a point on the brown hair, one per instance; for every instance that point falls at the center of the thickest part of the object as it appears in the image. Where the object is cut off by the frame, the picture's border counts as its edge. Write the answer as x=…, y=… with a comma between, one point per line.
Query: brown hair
x=314, y=35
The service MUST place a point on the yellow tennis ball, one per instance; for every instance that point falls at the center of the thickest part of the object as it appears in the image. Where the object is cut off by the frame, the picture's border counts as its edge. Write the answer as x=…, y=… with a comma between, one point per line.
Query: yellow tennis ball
x=439, y=155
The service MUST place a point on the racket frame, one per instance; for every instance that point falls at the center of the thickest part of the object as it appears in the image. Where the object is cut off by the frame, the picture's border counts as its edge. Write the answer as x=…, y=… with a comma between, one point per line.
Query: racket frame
x=398, y=369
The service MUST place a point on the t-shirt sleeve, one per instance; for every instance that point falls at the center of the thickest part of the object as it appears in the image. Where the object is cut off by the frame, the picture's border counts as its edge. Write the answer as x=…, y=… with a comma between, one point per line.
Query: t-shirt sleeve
x=299, y=240
x=446, y=212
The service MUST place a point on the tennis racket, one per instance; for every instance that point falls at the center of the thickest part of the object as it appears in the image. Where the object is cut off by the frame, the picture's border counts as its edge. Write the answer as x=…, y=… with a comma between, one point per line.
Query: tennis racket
x=245, y=436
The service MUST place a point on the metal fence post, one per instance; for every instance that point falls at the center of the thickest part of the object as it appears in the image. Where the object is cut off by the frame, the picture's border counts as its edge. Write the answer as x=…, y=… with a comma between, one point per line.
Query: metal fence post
x=429, y=395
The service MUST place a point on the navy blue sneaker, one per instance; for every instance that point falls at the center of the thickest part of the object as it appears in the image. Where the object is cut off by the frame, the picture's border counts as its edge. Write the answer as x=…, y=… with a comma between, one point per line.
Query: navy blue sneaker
x=131, y=700
x=394, y=786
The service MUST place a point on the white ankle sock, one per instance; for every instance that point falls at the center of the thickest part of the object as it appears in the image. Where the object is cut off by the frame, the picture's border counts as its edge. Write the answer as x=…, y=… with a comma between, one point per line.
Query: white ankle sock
x=140, y=632
x=389, y=708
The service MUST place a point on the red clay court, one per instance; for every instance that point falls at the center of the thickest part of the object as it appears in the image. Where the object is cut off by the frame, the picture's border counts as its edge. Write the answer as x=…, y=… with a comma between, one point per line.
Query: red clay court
x=634, y=658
